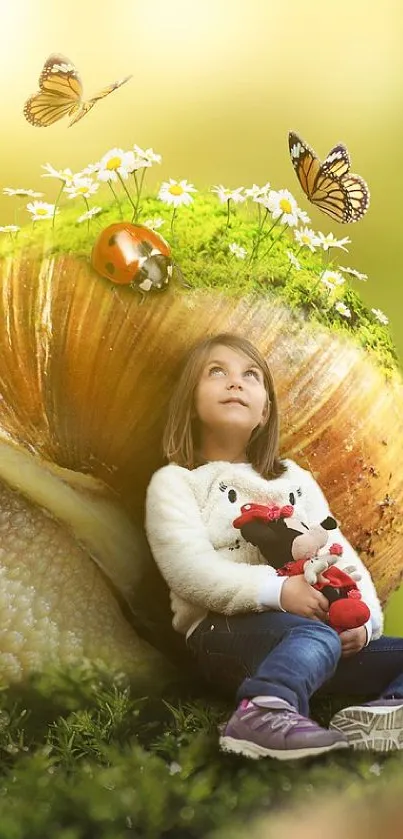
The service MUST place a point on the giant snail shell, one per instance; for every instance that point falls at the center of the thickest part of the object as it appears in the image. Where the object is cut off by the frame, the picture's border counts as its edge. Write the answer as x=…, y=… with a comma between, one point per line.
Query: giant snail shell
x=85, y=376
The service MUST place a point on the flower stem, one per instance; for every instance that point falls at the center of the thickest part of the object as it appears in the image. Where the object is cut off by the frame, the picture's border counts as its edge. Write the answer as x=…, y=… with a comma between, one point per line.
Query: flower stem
x=127, y=192
x=172, y=222
x=255, y=248
x=139, y=187
x=228, y=212
x=56, y=203
x=88, y=209
x=276, y=240
x=116, y=199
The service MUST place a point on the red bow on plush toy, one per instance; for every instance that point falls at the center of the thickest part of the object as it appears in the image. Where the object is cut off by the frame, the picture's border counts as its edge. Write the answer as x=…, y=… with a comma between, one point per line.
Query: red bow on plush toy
x=292, y=548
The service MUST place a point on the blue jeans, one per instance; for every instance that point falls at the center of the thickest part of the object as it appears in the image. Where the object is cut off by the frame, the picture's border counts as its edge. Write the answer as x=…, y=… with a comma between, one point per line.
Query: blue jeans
x=279, y=654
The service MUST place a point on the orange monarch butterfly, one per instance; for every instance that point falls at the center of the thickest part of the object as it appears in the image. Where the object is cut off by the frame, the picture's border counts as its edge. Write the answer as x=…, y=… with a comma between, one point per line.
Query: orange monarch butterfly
x=329, y=185
x=61, y=94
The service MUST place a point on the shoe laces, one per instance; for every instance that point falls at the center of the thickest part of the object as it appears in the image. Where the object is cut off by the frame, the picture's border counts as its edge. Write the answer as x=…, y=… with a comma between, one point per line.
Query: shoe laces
x=286, y=720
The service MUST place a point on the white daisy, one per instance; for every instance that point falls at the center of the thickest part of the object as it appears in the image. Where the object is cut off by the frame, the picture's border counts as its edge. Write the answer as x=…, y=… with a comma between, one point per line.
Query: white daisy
x=330, y=241
x=327, y=283
x=94, y=211
x=294, y=261
x=40, y=210
x=146, y=156
x=333, y=277
x=258, y=193
x=380, y=316
x=306, y=238
x=303, y=216
x=25, y=193
x=353, y=273
x=237, y=250
x=116, y=162
x=64, y=175
x=225, y=194
x=82, y=187
x=154, y=223
x=176, y=193
x=9, y=228
x=90, y=169
x=282, y=205
x=342, y=309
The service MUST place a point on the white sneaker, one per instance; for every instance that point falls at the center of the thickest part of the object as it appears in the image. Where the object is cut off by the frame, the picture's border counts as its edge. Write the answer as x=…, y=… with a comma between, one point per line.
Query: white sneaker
x=375, y=725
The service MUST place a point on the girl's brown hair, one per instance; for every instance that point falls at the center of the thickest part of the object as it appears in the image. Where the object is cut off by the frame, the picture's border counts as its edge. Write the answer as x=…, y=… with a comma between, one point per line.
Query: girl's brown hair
x=180, y=435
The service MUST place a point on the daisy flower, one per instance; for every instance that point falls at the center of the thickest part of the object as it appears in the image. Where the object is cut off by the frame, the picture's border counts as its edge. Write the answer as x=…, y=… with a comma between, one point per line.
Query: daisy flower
x=25, y=193
x=154, y=223
x=306, y=238
x=176, y=193
x=115, y=163
x=89, y=214
x=9, y=228
x=225, y=194
x=83, y=187
x=237, y=250
x=380, y=316
x=146, y=157
x=353, y=273
x=258, y=193
x=90, y=169
x=282, y=206
x=294, y=261
x=40, y=210
x=342, y=309
x=330, y=241
x=333, y=277
x=64, y=175
x=303, y=216
x=327, y=283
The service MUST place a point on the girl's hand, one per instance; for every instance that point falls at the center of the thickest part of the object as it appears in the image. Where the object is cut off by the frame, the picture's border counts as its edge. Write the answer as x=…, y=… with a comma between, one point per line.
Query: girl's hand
x=352, y=641
x=299, y=598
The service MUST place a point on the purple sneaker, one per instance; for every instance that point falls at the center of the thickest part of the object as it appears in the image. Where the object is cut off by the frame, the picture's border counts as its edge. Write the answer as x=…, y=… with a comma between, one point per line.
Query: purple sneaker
x=374, y=725
x=277, y=732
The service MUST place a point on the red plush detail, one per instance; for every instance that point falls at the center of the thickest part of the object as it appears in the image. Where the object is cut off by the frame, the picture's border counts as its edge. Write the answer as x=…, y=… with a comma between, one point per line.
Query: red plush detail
x=336, y=549
x=348, y=614
x=262, y=512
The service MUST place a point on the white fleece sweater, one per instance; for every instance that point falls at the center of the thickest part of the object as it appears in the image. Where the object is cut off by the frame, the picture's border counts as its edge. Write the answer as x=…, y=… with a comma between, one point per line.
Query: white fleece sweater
x=204, y=559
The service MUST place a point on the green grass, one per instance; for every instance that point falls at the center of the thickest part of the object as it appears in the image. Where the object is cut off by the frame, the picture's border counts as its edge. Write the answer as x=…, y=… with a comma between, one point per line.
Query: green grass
x=83, y=755
x=200, y=245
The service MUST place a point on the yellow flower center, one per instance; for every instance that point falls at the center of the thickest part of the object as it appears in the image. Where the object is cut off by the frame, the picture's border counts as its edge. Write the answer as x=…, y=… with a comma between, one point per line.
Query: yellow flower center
x=114, y=163
x=285, y=205
x=176, y=189
x=40, y=211
x=82, y=189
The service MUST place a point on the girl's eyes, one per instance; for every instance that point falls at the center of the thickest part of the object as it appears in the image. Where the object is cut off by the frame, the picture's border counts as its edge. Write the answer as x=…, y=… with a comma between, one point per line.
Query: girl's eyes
x=251, y=370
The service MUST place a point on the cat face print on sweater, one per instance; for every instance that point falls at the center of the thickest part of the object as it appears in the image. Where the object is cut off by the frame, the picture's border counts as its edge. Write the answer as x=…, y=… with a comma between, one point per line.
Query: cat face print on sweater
x=228, y=486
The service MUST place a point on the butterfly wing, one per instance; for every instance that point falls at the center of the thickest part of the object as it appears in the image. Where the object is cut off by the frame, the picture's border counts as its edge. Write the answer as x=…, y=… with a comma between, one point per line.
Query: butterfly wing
x=60, y=92
x=86, y=106
x=306, y=163
x=329, y=185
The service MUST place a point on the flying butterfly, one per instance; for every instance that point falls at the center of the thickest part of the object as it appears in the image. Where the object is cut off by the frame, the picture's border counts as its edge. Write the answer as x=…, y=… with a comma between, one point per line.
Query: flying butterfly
x=329, y=185
x=60, y=94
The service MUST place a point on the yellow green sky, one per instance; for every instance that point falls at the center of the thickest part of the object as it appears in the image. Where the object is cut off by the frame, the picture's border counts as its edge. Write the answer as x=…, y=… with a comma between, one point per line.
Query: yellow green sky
x=216, y=86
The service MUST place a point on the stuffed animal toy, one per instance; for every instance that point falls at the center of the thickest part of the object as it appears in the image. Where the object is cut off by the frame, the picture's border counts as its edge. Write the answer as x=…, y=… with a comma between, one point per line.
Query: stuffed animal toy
x=292, y=548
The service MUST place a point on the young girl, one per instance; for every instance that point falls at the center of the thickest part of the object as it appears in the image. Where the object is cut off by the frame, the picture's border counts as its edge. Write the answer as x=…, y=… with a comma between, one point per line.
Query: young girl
x=252, y=632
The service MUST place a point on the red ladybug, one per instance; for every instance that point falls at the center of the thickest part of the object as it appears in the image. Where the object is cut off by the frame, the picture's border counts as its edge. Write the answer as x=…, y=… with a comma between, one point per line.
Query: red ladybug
x=132, y=254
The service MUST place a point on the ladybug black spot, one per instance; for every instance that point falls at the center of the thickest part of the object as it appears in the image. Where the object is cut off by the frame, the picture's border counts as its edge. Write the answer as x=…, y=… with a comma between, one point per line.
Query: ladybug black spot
x=232, y=496
x=110, y=268
x=112, y=241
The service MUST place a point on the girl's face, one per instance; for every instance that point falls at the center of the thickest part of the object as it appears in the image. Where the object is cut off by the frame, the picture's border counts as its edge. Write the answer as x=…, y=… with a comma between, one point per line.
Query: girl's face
x=231, y=393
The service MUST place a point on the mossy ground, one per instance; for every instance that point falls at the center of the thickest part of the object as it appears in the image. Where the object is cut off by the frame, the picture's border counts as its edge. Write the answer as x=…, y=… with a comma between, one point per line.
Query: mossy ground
x=83, y=755
x=200, y=242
